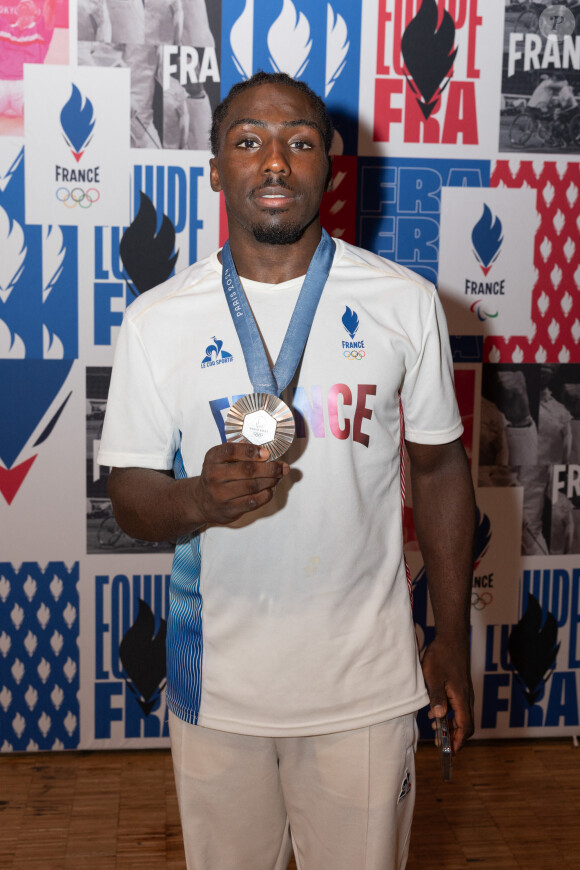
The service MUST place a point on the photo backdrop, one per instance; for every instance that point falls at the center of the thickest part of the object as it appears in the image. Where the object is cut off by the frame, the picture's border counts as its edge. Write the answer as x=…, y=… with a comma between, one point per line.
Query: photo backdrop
x=457, y=153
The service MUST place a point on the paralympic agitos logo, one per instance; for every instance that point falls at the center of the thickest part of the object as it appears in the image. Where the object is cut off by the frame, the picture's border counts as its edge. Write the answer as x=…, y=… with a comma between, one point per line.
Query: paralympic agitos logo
x=77, y=121
x=426, y=71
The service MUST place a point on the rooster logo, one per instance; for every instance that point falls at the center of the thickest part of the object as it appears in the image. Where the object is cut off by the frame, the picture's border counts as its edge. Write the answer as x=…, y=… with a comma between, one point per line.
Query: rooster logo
x=429, y=54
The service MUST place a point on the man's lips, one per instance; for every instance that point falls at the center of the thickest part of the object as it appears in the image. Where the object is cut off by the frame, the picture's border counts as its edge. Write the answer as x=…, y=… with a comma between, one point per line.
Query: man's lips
x=273, y=196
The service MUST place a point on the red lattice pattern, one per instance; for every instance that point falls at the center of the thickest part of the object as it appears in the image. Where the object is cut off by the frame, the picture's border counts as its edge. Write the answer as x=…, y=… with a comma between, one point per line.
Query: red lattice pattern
x=556, y=293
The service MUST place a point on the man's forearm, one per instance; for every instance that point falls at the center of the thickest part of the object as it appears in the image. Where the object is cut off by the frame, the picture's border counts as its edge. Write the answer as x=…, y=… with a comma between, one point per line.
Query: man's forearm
x=151, y=505
x=444, y=515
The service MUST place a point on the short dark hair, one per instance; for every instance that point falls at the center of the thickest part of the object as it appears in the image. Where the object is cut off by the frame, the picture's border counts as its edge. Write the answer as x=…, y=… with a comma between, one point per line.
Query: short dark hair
x=264, y=78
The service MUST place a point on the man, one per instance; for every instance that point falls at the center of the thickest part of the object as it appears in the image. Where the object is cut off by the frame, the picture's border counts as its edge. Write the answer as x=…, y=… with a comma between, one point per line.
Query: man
x=293, y=675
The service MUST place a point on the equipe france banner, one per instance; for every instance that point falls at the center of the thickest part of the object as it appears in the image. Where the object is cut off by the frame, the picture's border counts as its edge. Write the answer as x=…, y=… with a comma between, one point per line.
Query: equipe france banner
x=456, y=153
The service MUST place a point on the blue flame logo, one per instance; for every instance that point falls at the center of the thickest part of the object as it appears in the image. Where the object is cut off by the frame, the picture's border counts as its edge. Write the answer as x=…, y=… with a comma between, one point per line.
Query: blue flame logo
x=77, y=122
x=487, y=239
x=350, y=321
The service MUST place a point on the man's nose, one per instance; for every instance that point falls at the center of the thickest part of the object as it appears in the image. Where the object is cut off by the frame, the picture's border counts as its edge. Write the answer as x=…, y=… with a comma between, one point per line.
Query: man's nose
x=276, y=158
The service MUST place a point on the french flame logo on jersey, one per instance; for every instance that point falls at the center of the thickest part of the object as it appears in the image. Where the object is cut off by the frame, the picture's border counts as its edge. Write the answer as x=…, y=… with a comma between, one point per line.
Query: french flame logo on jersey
x=142, y=654
x=428, y=51
x=147, y=248
x=38, y=328
x=533, y=649
x=350, y=322
x=487, y=238
x=77, y=122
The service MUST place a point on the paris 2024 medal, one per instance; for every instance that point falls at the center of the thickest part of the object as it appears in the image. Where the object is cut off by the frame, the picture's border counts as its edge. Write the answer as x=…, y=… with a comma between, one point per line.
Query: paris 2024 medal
x=261, y=419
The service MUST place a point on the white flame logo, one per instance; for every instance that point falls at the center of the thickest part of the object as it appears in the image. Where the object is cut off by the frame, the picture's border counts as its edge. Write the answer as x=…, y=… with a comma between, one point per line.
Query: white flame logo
x=337, y=46
x=56, y=587
x=17, y=616
x=564, y=355
x=543, y=303
x=541, y=355
x=572, y=194
x=30, y=643
x=518, y=354
x=70, y=723
x=242, y=41
x=13, y=254
x=52, y=346
x=43, y=615
x=559, y=221
x=31, y=697
x=56, y=642
x=57, y=697
x=6, y=174
x=6, y=642
x=546, y=248
x=53, y=251
x=289, y=41
x=576, y=331
x=494, y=355
x=4, y=587
x=18, y=724
x=70, y=614
x=44, y=723
x=11, y=344
x=569, y=248
x=17, y=671
x=43, y=670
x=70, y=669
x=30, y=587
x=5, y=698
x=554, y=330
x=566, y=303
x=556, y=276
x=548, y=193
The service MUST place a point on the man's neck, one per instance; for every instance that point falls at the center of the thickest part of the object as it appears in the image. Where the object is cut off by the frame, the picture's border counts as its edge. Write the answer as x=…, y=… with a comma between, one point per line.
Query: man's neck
x=274, y=264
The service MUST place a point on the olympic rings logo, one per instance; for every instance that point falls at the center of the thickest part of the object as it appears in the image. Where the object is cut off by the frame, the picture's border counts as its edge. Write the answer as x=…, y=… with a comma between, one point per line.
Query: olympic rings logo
x=354, y=354
x=78, y=196
x=480, y=602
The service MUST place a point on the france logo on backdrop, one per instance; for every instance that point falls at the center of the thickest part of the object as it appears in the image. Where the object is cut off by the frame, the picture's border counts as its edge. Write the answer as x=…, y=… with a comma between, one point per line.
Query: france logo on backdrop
x=38, y=326
x=316, y=41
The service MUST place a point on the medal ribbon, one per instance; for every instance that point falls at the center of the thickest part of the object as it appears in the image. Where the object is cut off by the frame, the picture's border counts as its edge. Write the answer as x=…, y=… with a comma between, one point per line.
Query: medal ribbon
x=263, y=378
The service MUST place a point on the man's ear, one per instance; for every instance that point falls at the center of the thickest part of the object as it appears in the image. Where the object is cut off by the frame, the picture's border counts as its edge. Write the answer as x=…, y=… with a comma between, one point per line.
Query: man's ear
x=214, y=176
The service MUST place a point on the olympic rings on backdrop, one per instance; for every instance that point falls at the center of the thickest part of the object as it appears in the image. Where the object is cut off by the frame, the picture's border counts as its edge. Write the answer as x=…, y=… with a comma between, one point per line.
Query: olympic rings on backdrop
x=354, y=354
x=78, y=196
x=480, y=602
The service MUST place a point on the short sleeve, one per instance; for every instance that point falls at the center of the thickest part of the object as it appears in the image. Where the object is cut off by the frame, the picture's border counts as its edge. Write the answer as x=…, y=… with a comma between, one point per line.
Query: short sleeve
x=138, y=430
x=428, y=398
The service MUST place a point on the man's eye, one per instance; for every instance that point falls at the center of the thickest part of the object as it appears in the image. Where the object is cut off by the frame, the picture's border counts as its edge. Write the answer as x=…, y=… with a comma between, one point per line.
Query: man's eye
x=301, y=145
x=250, y=144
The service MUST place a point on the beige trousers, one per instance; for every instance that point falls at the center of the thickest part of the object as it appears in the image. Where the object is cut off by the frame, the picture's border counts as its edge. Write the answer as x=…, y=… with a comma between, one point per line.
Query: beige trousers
x=343, y=801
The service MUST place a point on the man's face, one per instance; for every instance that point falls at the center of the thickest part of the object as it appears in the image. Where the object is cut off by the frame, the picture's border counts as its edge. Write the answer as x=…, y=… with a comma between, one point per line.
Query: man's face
x=271, y=165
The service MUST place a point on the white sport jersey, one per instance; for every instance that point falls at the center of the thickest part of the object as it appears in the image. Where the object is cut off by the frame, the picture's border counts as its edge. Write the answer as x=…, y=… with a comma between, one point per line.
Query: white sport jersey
x=295, y=620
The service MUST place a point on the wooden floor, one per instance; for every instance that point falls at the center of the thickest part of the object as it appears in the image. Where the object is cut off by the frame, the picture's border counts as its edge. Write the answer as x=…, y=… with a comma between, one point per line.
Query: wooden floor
x=511, y=804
